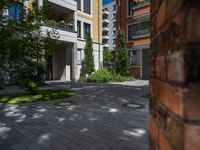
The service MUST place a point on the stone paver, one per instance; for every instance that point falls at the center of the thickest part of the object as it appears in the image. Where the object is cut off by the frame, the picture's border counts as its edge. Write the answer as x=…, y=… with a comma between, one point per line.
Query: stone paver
x=98, y=121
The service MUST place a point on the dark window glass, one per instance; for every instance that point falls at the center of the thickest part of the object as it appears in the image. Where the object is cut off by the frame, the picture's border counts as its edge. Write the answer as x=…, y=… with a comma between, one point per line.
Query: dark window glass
x=79, y=4
x=79, y=29
x=86, y=30
x=130, y=7
x=133, y=57
x=87, y=6
x=14, y=11
x=139, y=29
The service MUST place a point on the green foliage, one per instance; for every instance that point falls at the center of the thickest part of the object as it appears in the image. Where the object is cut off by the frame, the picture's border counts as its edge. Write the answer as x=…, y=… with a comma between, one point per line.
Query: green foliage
x=88, y=63
x=32, y=88
x=104, y=75
x=22, y=39
x=30, y=72
x=122, y=62
x=2, y=83
x=44, y=95
x=108, y=60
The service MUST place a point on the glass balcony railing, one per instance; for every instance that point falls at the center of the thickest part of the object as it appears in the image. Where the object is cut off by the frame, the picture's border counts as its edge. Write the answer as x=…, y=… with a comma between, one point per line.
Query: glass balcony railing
x=59, y=25
x=140, y=3
x=143, y=32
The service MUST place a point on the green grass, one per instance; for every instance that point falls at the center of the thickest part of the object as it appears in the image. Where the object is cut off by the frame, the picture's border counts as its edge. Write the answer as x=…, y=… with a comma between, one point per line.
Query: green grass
x=41, y=96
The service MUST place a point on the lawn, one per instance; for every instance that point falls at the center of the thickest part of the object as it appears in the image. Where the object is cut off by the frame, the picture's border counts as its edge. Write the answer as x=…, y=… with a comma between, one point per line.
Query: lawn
x=41, y=96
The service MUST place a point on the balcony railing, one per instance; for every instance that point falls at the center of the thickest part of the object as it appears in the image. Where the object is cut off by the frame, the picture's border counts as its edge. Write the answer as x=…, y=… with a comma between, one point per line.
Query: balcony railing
x=59, y=25
x=140, y=3
x=141, y=33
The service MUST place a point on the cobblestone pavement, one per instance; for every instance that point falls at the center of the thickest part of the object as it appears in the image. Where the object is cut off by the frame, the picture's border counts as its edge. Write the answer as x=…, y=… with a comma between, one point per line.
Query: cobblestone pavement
x=98, y=121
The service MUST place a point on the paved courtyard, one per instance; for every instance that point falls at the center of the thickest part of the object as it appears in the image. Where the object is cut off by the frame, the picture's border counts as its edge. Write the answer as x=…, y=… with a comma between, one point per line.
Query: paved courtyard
x=98, y=120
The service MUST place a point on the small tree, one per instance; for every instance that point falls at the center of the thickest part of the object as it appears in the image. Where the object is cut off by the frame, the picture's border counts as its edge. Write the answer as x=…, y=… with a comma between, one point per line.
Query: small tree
x=88, y=63
x=108, y=59
x=122, y=62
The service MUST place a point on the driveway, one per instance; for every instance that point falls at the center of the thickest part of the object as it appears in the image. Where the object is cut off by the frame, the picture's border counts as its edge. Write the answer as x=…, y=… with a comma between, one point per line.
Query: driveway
x=97, y=120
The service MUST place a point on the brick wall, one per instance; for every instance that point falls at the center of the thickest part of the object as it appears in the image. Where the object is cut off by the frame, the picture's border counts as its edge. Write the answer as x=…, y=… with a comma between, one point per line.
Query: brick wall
x=175, y=75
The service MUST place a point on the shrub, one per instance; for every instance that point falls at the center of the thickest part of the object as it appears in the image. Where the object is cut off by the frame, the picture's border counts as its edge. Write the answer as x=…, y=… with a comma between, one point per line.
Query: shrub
x=32, y=88
x=30, y=72
x=102, y=75
x=2, y=83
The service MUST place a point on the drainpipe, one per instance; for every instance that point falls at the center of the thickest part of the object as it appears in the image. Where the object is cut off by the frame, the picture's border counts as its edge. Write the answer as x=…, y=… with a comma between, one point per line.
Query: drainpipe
x=99, y=35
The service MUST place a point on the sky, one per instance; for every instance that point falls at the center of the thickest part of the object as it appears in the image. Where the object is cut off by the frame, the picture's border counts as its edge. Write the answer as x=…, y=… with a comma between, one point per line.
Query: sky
x=107, y=1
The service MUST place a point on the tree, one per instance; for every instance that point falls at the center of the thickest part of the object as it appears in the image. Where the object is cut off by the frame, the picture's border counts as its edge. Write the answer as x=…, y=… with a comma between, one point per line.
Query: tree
x=22, y=40
x=122, y=62
x=88, y=63
x=108, y=59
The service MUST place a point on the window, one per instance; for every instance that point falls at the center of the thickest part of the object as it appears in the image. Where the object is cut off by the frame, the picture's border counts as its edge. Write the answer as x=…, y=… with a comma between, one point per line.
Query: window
x=79, y=56
x=79, y=29
x=114, y=16
x=130, y=6
x=79, y=4
x=133, y=57
x=114, y=7
x=114, y=24
x=140, y=29
x=114, y=33
x=87, y=6
x=14, y=11
x=86, y=30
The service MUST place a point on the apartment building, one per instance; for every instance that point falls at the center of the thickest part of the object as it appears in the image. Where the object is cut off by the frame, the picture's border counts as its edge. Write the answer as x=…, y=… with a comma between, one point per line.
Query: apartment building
x=73, y=20
x=133, y=17
x=109, y=25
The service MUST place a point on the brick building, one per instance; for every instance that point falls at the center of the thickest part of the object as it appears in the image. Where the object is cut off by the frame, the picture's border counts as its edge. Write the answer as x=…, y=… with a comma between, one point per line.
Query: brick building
x=133, y=17
x=175, y=75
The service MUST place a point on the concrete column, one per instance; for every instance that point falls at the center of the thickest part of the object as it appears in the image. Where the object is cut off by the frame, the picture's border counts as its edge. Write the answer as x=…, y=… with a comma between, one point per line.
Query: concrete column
x=40, y=3
x=75, y=21
x=74, y=62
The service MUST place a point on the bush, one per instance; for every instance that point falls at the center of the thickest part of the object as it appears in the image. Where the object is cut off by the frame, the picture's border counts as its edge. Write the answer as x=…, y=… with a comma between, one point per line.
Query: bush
x=102, y=75
x=32, y=88
x=30, y=72
x=2, y=83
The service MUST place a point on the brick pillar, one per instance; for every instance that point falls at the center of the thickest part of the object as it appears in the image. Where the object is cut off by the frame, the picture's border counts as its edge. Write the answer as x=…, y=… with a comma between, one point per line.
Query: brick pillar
x=175, y=75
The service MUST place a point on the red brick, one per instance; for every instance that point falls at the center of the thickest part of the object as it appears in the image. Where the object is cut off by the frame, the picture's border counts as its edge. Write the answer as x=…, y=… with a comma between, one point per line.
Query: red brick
x=192, y=102
x=161, y=15
x=176, y=133
x=153, y=129
x=161, y=67
x=176, y=67
x=163, y=142
x=192, y=137
x=170, y=96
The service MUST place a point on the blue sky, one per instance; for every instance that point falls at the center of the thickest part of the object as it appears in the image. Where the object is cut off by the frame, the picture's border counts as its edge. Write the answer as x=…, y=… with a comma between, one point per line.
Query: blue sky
x=107, y=1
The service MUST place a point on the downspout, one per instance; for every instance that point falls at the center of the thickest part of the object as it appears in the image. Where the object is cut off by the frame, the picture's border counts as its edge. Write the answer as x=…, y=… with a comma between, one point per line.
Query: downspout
x=99, y=35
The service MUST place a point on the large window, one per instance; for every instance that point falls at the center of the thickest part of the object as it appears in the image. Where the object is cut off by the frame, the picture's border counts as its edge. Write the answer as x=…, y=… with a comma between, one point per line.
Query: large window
x=133, y=57
x=79, y=4
x=14, y=11
x=79, y=29
x=87, y=30
x=140, y=29
x=87, y=6
x=130, y=4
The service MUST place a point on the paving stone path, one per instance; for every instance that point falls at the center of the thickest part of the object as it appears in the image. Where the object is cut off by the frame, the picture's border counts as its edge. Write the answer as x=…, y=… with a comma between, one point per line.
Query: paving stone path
x=98, y=121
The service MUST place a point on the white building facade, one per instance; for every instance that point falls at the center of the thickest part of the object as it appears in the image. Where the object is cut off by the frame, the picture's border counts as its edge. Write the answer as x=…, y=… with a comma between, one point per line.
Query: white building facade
x=109, y=25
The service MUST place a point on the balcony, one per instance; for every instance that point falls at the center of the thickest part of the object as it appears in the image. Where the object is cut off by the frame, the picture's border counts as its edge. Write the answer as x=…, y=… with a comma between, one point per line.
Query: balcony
x=142, y=3
x=66, y=32
x=105, y=29
x=105, y=37
x=142, y=17
x=105, y=21
x=141, y=33
x=105, y=12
